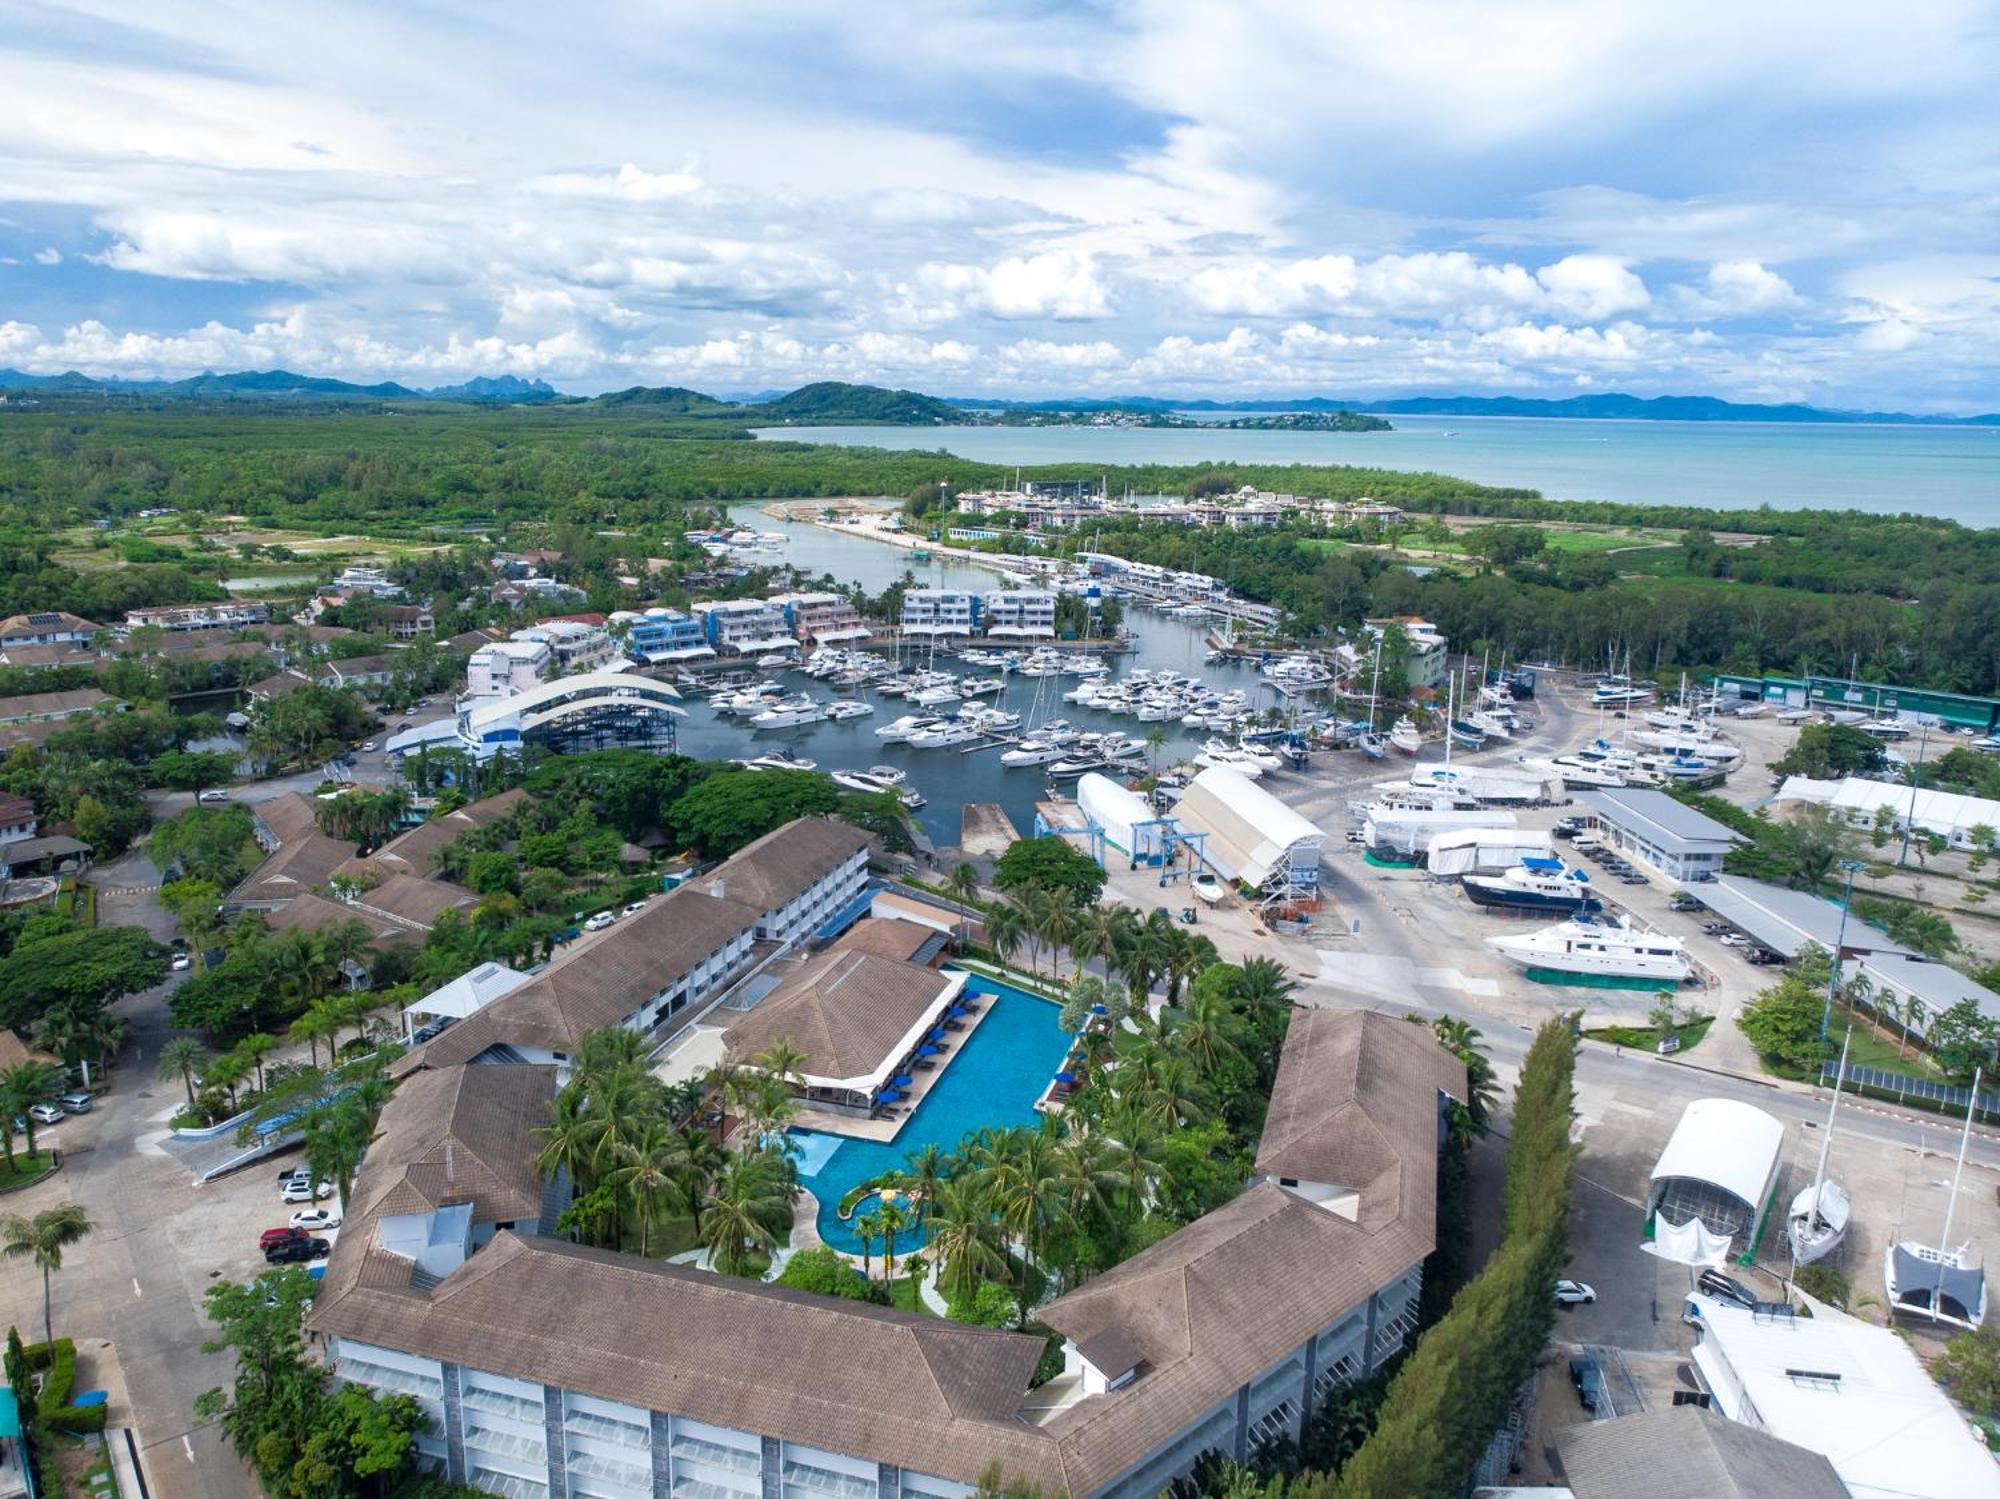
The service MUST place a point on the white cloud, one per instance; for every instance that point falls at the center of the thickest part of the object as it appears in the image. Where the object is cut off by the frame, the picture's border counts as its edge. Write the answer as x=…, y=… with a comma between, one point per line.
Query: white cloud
x=1592, y=286
x=1030, y=355
x=1058, y=284
x=1737, y=288
x=50, y=256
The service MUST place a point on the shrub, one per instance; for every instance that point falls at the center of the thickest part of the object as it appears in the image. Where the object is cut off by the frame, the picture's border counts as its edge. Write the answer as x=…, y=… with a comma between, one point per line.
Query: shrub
x=1825, y=1283
x=825, y=1271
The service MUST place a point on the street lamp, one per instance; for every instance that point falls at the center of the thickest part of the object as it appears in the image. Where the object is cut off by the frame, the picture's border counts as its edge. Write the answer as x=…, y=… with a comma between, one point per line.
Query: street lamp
x=1851, y=867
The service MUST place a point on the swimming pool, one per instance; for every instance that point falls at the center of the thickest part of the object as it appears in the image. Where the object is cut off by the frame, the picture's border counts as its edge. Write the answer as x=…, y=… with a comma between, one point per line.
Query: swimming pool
x=993, y=1079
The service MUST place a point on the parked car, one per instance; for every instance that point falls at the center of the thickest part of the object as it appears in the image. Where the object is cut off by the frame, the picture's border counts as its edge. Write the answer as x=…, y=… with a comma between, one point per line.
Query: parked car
x=304, y=1191
x=1574, y=1293
x=213, y=795
x=315, y=1220
x=272, y=1236
x=297, y=1251
x=1763, y=957
x=1726, y=1288
x=75, y=1102
x=1588, y=1381
x=1631, y=878
x=1683, y=903
x=45, y=1113
x=1669, y=1044
x=368, y=748
x=290, y=1173
x=634, y=909
x=1732, y=939
x=180, y=962
x=600, y=921
x=1562, y=832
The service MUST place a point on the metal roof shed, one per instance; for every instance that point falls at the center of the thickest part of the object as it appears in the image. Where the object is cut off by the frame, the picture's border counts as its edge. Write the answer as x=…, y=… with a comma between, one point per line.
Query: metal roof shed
x=1718, y=1166
x=1669, y=823
x=1251, y=835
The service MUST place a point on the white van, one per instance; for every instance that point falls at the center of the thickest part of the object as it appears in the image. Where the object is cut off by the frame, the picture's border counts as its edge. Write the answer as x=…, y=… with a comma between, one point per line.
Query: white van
x=1585, y=841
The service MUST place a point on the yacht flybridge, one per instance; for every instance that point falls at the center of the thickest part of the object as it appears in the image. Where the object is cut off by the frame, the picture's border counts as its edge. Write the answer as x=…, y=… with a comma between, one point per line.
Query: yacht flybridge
x=1599, y=948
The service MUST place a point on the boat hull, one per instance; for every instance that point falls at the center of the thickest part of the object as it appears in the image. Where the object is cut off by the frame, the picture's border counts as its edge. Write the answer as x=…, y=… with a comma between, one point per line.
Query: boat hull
x=1483, y=893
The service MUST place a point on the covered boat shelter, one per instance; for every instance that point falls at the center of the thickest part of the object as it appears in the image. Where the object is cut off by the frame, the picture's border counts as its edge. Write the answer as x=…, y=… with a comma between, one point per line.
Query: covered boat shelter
x=1252, y=837
x=1128, y=823
x=1712, y=1181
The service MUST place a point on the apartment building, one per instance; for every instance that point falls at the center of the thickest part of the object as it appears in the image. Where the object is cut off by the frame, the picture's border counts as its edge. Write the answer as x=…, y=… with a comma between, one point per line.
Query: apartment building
x=1427, y=647
x=575, y=646
x=554, y=1370
x=661, y=635
x=506, y=667
x=228, y=615
x=1022, y=613
x=408, y=621
x=744, y=627
x=940, y=612
x=822, y=618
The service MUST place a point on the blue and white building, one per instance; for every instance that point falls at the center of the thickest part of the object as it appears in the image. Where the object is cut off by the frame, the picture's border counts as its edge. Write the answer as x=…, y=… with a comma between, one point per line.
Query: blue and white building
x=661, y=636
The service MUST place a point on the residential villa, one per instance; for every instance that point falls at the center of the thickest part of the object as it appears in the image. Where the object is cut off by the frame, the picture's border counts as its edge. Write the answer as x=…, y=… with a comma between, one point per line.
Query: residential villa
x=745, y=627
x=1022, y=613
x=940, y=612
x=575, y=646
x=47, y=627
x=663, y=635
x=822, y=618
x=505, y=667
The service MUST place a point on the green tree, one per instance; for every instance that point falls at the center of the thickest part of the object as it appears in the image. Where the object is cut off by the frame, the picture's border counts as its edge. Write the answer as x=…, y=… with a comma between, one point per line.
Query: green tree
x=749, y=1204
x=735, y=807
x=1970, y=1368
x=1961, y=1039
x=1049, y=863
x=24, y=1085
x=1783, y=1022
x=91, y=968
x=824, y=1272
x=42, y=1239
x=182, y=1057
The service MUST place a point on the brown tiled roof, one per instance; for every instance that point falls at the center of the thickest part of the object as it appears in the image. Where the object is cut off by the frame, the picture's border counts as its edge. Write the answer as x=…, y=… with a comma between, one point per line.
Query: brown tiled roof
x=279, y=684
x=37, y=732
x=1355, y=1105
x=42, y=621
x=290, y=816
x=887, y=938
x=599, y=980
x=462, y=1134
x=1681, y=1450
x=14, y=809
x=67, y=654
x=315, y=913
x=417, y=902
x=56, y=704
x=785, y=862
x=415, y=852
x=305, y=860
x=922, y=1392
x=849, y=1012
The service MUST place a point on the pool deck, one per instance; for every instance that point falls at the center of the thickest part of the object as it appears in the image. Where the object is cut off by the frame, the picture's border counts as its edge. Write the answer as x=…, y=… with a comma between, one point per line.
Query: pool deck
x=886, y=1130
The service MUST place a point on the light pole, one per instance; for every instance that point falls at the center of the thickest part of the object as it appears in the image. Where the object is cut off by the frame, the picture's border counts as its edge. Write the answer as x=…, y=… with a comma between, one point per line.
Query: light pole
x=1910, y=822
x=1851, y=867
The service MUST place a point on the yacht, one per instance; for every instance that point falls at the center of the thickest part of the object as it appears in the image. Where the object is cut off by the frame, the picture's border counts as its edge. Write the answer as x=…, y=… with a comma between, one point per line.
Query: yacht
x=1244, y=765
x=1619, y=692
x=875, y=783
x=1535, y=884
x=1492, y=725
x=902, y=728
x=850, y=708
x=782, y=760
x=1579, y=772
x=1076, y=763
x=778, y=658
x=1599, y=949
x=1403, y=736
x=1885, y=728
x=945, y=733
x=1679, y=742
x=1372, y=745
x=1467, y=735
x=1930, y=1280
x=936, y=696
x=788, y=713
x=1818, y=1218
x=1682, y=767
x=992, y=720
x=981, y=686
x=1677, y=716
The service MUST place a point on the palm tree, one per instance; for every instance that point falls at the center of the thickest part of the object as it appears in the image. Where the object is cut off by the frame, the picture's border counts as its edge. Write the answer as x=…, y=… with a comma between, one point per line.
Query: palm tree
x=345, y=942
x=1004, y=929
x=566, y=1139
x=1059, y=925
x=649, y=1173
x=923, y=1173
x=1096, y=933
x=893, y=1221
x=228, y=1072
x=182, y=1057
x=335, y=1140
x=963, y=882
x=868, y=1228
x=1462, y=1039
x=1156, y=736
x=311, y=1028
x=254, y=1049
x=24, y=1085
x=1133, y=1153
x=612, y=1048
x=1201, y=1032
x=749, y=1204
x=1915, y=1013
x=43, y=1239
x=1033, y=906
x=1187, y=955
x=962, y=1237
x=1264, y=986
x=784, y=1062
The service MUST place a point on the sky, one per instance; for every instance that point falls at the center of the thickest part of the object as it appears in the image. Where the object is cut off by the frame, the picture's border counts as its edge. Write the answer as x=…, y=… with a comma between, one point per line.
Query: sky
x=1773, y=201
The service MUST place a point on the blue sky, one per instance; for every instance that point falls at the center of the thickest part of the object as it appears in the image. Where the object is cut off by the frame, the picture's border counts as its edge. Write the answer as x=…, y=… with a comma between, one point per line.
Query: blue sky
x=1785, y=201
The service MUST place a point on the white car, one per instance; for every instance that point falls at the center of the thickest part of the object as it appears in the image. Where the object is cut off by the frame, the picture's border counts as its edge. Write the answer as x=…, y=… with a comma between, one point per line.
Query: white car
x=314, y=1220
x=180, y=962
x=1207, y=887
x=599, y=922
x=634, y=909
x=1574, y=1293
x=45, y=1113
x=304, y=1191
x=368, y=748
x=1730, y=939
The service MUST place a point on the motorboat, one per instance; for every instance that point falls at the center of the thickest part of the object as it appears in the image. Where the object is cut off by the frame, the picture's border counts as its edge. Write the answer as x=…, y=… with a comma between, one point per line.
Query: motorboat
x=1535, y=884
x=1207, y=888
x=850, y=708
x=1467, y=735
x=778, y=658
x=1404, y=738
x=1244, y=765
x=1372, y=745
x=1578, y=772
x=888, y=775
x=781, y=760
x=1599, y=948
x=936, y=696
x=1682, y=767
x=992, y=720
x=1032, y=752
x=945, y=733
x=1679, y=742
x=874, y=783
x=1885, y=728
x=902, y=728
x=1076, y=764
x=789, y=713
x=981, y=686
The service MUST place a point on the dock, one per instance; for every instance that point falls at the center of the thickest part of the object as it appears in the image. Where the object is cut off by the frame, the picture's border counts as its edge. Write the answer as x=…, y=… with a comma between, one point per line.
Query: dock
x=985, y=831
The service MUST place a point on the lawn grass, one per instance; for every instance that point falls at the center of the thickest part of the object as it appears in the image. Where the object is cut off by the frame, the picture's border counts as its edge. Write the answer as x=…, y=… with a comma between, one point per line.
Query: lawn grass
x=26, y=1168
x=903, y=1293
x=1648, y=1037
x=1874, y=1047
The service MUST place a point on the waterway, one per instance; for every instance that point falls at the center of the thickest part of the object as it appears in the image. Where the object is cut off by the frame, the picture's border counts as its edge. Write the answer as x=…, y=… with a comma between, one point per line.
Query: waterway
x=1953, y=472
x=947, y=777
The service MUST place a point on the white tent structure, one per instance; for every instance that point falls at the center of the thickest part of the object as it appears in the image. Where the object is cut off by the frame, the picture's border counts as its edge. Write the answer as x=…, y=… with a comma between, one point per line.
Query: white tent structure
x=1251, y=836
x=1948, y=814
x=1398, y=828
x=1128, y=823
x=1485, y=850
x=471, y=991
x=1718, y=1168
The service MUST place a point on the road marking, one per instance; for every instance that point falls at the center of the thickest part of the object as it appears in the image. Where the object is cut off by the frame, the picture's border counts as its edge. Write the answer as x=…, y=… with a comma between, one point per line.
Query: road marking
x=135, y=1287
x=188, y=1443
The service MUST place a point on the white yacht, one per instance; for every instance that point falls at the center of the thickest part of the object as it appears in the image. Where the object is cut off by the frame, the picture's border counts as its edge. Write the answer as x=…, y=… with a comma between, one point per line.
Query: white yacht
x=782, y=760
x=1885, y=728
x=902, y=728
x=1492, y=725
x=1032, y=752
x=936, y=696
x=788, y=713
x=1935, y=1281
x=1702, y=745
x=944, y=733
x=1404, y=738
x=849, y=708
x=992, y=720
x=1599, y=949
x=981, y=686
x=1619, y=692
x=1535, y=884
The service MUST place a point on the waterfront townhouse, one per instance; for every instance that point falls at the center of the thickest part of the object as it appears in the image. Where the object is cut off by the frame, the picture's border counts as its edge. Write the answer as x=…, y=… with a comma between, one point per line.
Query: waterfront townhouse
x=940, y=612
x=1020, y=613
x=575, y=646
x=822, y=618
x=664, y=635
x=47, y=627
x=744, y=627
x=551, y=1369
x=228, y=615
x=505, y=667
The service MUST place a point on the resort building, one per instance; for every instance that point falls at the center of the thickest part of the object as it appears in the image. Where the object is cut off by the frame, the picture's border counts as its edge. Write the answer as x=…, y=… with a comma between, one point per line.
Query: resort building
x=940, y=612
x=1680, y=1450
x=299, y=858
x=857, y=1020
x=574, y=646
x=1250, y=837
x=47, y=627
x=822, y=618
x=656, y=970
x=228, y=615
x=1020, y=613
x=408, y=621
x=744, y=627
x=18, y=820
x=598, y=710
x=506, y=667
x=54, y=707
x=1666, y=835
x=665, y=635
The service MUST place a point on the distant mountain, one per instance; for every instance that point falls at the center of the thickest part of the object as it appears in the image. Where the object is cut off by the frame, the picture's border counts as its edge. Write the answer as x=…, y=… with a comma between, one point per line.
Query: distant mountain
x=831, y=401
x=676, y=399
x=509, y=388
x=282, y=383
x=70, y=380
x=1609, y=406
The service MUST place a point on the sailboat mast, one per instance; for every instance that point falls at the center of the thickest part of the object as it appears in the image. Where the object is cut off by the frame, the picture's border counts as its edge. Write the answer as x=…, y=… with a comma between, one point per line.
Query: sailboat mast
x=1826, y=1141
x=1951, y=1206
x=1375, y=687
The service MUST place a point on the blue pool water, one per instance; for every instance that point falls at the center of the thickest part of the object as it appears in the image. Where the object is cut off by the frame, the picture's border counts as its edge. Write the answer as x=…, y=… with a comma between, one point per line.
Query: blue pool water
x=992, y=1079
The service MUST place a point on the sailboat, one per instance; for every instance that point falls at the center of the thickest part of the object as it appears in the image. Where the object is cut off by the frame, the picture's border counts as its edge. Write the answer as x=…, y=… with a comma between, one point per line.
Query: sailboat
x=1372, y=744
x=1818, y=1219
x=1404, y=738
x=1936, y=1281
